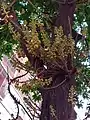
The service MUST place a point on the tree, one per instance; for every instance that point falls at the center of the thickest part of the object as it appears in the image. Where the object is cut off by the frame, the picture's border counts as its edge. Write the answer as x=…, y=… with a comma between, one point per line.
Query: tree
x=43, y=32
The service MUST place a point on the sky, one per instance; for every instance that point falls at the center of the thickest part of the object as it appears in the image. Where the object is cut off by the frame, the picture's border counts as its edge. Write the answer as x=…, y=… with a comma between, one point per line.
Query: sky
x=81, y=111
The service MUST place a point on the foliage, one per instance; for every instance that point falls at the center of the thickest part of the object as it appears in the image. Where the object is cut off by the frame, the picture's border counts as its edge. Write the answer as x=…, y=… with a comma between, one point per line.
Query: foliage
x=44, y=11
x=56, y=53
x=7, y=43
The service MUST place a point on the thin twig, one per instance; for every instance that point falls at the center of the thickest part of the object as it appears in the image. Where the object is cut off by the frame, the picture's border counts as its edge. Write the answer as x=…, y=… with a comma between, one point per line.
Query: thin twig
x=13, y=80
x=31, y=4
x=12, y=3
x=20, y=64
x=70, y=26
x=32, y=113
x=34, y=103
x=15, y=100
x=24, y=110
x=54, y=87
x=17, y=26
x=32, y=107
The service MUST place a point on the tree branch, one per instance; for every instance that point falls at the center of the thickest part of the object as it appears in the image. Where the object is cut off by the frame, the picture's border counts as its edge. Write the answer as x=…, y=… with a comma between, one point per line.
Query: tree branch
x=12, y=3
x=76, y=36
x=12, y=96
x=29, y=103
x=54, y=87
x=13, y=80
x=15, y=100
x=35, y=61
x=34, y=103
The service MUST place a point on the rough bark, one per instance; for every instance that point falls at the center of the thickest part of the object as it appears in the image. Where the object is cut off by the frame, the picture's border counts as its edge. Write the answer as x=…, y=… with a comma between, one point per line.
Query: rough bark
x=65, y=15
x=57, y=97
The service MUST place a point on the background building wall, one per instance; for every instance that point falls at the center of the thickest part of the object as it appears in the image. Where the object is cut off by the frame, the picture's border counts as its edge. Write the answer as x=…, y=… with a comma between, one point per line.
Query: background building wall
x=7, y=105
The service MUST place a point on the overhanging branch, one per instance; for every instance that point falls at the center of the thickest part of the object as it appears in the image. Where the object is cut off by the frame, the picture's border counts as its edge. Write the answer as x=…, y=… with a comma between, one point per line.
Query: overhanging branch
x=16, y=101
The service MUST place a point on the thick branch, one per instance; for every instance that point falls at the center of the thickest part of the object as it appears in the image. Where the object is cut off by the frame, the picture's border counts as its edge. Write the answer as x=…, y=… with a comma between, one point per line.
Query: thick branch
x=35, y=61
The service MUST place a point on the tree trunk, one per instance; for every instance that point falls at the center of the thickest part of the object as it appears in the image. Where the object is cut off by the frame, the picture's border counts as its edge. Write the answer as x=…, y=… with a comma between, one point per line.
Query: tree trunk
x=55, y=105
x=65, y=16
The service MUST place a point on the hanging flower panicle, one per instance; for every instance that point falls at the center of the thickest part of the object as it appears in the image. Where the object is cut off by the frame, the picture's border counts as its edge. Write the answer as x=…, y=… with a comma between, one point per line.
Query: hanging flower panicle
x=72, y=94
x=38, y=44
